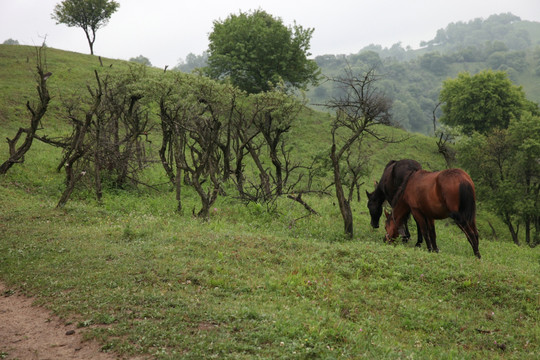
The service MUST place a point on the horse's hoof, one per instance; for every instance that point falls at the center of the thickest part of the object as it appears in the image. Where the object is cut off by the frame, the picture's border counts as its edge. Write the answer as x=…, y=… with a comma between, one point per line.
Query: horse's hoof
x=405, y=240
x=418, y=245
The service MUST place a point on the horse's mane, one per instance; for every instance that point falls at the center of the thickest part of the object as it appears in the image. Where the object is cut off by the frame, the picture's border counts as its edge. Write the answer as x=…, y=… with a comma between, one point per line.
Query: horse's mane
x=401, y=188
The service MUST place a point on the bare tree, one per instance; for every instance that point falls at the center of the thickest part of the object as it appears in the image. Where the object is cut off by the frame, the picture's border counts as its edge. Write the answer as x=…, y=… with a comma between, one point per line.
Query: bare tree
x=360, y=107
x=77, y=146
x=37, y=111
x=108, y=136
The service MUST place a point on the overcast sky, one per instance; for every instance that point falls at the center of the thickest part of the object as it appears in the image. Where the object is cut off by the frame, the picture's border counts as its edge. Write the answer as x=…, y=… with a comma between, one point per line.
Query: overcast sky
x=167, y=30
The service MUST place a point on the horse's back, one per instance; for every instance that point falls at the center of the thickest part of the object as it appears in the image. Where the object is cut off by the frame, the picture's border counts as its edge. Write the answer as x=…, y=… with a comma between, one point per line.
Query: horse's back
x=456, y=190
x=395, y=174
x=451, y=179
x=438, y=193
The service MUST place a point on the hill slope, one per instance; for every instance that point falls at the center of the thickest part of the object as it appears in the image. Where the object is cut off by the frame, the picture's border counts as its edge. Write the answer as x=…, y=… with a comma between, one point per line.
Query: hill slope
x=250, y=283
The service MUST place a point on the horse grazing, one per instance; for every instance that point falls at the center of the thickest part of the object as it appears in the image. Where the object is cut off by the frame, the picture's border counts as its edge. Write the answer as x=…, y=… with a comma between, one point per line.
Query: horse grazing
x=392, y=178
x=436, y=195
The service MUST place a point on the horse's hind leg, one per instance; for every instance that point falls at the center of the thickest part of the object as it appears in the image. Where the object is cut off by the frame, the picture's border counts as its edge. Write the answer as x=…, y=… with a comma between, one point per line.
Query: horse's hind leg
x=432, y=235
x=470, y=231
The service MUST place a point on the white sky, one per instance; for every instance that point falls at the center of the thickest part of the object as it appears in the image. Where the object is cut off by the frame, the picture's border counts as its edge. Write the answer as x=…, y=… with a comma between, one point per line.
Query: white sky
x=167, y=30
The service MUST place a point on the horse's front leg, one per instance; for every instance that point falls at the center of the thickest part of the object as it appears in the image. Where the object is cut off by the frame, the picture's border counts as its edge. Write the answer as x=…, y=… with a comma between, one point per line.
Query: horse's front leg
x=423, y=229
x=406, y=235
x=419, y=235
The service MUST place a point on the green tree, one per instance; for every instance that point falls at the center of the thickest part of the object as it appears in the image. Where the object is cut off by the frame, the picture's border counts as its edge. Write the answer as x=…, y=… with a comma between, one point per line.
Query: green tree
x=89, y=15
x=482, y=102
x=434, y=62
x=504, y=165
x=10, y=41
x=192, y=62
x=256, y=51
x=141, y=60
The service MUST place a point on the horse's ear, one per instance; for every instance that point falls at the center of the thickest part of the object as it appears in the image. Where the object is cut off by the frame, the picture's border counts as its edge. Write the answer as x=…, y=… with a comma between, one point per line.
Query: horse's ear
x=376, y=183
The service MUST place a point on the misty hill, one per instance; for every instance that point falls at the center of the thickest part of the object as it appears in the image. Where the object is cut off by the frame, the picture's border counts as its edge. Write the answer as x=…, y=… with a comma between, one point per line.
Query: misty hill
x=413, y=78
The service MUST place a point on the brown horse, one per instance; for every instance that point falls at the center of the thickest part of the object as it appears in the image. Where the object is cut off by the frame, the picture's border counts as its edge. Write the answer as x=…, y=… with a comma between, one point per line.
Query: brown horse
x=436, y=195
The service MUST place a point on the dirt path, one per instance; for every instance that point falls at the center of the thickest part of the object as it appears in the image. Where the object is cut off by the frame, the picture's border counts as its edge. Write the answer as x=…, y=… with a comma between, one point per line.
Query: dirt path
x=30, y=332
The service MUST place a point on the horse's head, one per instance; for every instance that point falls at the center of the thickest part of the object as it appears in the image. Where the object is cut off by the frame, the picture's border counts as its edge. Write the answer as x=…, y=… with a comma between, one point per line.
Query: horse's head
x=391, y=227
x=374, y=205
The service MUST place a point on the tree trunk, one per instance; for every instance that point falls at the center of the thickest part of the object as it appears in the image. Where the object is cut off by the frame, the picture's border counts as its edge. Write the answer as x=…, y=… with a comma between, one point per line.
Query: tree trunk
x=344, y=205
x=279, y=173
x=513, y=232
x=178, y=187
x=528, y=230
x=90, y=41
x=265, y=179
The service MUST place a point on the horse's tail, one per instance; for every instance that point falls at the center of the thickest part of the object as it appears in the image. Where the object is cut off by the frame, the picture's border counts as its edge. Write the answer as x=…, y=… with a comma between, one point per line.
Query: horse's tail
x=467, y=204
x=466, y=217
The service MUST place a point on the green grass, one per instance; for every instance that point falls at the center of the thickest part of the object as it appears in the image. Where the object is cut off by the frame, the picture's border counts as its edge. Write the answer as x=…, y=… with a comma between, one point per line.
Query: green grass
x=246, y=285
x=143, y=280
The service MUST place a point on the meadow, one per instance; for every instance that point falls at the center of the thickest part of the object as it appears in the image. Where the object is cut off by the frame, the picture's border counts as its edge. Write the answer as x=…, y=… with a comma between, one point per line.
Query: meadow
x=251, y=282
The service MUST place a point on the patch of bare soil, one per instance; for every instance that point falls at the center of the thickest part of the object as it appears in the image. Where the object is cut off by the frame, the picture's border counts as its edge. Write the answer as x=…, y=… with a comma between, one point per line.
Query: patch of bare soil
x=30, y=332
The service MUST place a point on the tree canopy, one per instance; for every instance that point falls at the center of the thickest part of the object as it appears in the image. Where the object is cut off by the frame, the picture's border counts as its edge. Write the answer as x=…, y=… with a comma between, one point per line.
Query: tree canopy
x=504, y=164
x=89, y=15
x=481, y=102
x=141, y=60
x=256, y=51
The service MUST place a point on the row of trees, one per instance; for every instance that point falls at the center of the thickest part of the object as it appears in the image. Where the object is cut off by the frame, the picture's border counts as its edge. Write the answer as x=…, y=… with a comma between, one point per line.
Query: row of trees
x=214, y=137
x=212, y=131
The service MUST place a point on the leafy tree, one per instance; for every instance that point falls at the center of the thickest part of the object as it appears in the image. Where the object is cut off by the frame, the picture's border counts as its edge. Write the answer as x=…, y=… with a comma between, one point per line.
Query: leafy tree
x=110, y=127
x=434, y=62
x=192, y=62
x=89, y=15
x=141, y=60
x=504, y=164
x=194, y=113
x=481, y=102
x=10, y=41
x=256, y=51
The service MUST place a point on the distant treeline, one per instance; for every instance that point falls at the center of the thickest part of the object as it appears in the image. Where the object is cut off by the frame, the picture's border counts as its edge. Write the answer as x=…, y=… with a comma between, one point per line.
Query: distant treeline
x=413, y=77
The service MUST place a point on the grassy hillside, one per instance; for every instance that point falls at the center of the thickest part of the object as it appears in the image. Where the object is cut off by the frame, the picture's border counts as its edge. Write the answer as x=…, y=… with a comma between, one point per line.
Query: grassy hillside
x=249, y=283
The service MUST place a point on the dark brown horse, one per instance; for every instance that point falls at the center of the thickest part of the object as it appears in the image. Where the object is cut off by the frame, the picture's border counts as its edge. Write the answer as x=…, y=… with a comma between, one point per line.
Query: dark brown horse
x=436, y=195
x=393, y=176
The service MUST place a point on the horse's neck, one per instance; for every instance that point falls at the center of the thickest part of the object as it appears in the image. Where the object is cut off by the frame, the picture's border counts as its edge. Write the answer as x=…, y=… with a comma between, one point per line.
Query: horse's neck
x=379, y=194
x=400, y=210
